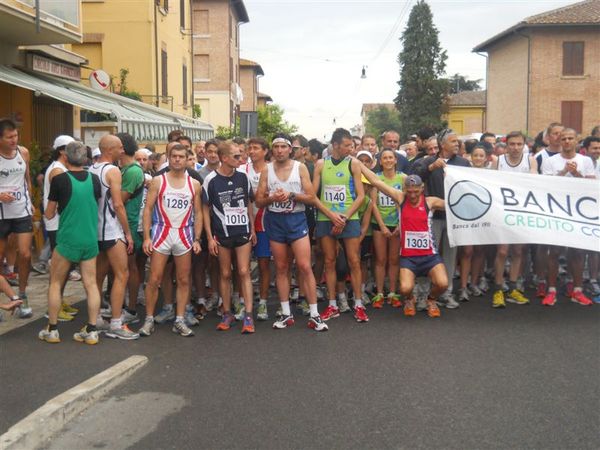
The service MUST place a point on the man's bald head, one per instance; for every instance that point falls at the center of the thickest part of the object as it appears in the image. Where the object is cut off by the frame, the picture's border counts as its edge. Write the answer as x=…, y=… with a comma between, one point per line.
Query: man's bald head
x=111, y=147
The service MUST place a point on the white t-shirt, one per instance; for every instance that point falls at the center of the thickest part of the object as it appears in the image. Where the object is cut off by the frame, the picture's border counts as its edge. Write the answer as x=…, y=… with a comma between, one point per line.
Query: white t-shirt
x=597, y=168
x=556, y=163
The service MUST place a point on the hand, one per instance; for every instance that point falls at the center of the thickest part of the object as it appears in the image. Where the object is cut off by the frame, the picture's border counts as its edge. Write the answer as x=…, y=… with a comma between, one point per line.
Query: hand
x=213, y=247
x=147, y=247
x=338, y=220
x=196, y=247
x=396, y=231
x=386, y=232
x=129, y=241
x=335, y=230
x=7, y=197
x=438, y=164
x=11, y=306
x=571, y=167
x=253, y=239
x=278, y=196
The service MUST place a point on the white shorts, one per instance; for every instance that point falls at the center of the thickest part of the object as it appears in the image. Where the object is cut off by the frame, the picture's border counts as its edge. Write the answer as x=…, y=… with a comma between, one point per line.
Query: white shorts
x=172, y=241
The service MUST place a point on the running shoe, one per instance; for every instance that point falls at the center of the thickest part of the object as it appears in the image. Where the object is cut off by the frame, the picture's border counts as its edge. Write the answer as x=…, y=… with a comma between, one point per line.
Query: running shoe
x=89, y=337
x=212, y=302
x=52, y=337
x=102, y=325
x=421, y=303
x=409, y=307
x=148, y=327
x=505, y=287
x=190, y=316
x=40, y=267
x=248, y=325
x=448, y=301
x=474, y=290
x=123, y=333
x=463, y=295
x=182, y=329
x=294, y=295
x=432, y=309
x=360, y=314
x=69, y=309
x=331, y=312
x=365, y=299
x=377, y=301
x=239, y=311
x=305, y=308
x=549, y=299
x=541, y=290
x=396, y=300
x=516, y=296
x=261, y=312
x=580, y=298
x=596, y=299
x=320, y=294
x=317, y=324
x=62, y=316
x=483, y=285
x=283, y=322
x=594, y=287
x=106, y=312
x=24, y=311
x=12, y=278
x=165, y=315
x=127, y=317
x=521, y=284
x=498, y=299
x=569, y=288
x=226, y=322
x=74, y=275
x=343, y=305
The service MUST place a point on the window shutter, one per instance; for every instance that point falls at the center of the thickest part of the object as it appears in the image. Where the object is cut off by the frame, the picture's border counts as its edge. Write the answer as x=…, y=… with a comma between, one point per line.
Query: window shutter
x=572, y=115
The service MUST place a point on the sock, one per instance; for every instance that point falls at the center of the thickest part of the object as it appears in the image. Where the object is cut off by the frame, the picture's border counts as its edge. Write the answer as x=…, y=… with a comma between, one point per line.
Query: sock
x=89, y=328
x=149, y=318
x=262, y=301
x=52, y=327
x=333, y=303
x=577, y=289
x=285, y=308
x=168, y=307
x=201, y=301
x=314, y=310
x=116, y=323
x=10, y=268
x=358, y=303
x=552, y=289
x=179, y=319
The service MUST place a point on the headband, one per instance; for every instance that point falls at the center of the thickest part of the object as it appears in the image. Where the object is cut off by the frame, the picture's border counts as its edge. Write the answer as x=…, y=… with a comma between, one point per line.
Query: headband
x=281, y=140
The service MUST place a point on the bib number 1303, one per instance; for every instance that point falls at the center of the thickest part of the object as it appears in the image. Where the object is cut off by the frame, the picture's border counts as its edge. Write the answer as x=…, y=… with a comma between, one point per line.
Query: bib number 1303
x=417, y=240
x=236, y=216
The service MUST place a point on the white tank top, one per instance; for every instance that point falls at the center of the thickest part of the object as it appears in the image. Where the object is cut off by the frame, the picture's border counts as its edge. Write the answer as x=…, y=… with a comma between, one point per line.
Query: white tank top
x=51, y=224
x=174, y=207
x=109, y=227
x=292, y=184
x=522, y=167
x=147, y=177
x=12, y=179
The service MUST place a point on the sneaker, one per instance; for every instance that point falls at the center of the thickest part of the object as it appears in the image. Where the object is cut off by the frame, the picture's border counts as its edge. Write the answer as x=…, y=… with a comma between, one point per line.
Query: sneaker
x=69, y=309
x=505, y=287
x=106, y=312
x=24, y=311
x=463, y=295
x=127, y=317
x=226, y=322
x=448, y=301
x=474, y=290
x=360, y=314
x=52, y=337
x=239, y=311
x=40, y=267
x=165, y=315
x=182, y=329
x=580, y=298
x=74, y=275
x=409, y=307
x=520, y=284
x=569, y=288
x=212, y=303
x=294, y=295
x=498, y=299
x=365, y=299
x=89, y=337
x=421, y=303
x=305, y=308
x=395, y=300
x=190, y=319
x=549, y=299
x=596, y=299
x=123, y=333
x=261, y=312
x=377, y=301
x=148, y=327
x=432, y=309
x=343, y=305
x=102, y=325
x=62, y=316
x=317, y=324
x=541, y=290
x=594, y=287
x=248, y=325
x=283, y=322
x=331, y=312
x=483, y=285
x=320, y=294
x=12, y=278
x=516, y=296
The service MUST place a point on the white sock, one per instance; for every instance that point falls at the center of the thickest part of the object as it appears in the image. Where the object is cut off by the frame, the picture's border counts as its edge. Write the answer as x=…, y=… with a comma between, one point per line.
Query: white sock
x=201, y=301
x=262, y=301
x=577, y=289
x=357, y=303
x=285, y=308
x=148, y=317
x=168, y=306
x=314, y=310
x=552, y=289
x=115, y=324
x=179, y=319
x=333, y=303
x=10, y=268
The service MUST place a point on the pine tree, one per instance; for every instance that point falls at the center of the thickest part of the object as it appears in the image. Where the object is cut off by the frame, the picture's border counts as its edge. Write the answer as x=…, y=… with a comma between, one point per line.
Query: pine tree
x=422, y=64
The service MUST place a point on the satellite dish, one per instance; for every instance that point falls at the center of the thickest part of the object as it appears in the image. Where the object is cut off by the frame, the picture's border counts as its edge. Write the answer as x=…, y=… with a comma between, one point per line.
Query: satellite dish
x=99, y=80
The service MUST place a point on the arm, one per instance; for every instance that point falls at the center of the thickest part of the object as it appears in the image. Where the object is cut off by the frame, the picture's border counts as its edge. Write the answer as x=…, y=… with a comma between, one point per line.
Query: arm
x=213, y=248
x=308, y=197
x=262, y=199
x=26, y=157
x=435, y=203
x=113, y=177
x=396, y=195
x=533, y=165
x=366, y=220
x=355, y=166
x=50, y=211
x=147, y=215
x=197, y=217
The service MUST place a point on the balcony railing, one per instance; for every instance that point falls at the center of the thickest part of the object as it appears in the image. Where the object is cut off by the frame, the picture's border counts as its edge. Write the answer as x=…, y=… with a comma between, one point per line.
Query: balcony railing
x=59, y=10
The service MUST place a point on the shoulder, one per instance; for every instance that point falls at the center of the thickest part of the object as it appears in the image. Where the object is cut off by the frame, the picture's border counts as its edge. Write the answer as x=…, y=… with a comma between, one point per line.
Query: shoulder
x=23, y=151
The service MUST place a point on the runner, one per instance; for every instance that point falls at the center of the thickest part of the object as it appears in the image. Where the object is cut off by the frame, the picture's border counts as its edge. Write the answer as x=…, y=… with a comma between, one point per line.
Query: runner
x=172, y=226
x=15, y=206
x=227, y=196
x=284, y=189
x=419, y=256
x=74, y=194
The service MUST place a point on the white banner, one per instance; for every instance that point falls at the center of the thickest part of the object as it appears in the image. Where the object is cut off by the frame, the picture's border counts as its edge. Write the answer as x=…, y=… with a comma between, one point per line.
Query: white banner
x=495, y=207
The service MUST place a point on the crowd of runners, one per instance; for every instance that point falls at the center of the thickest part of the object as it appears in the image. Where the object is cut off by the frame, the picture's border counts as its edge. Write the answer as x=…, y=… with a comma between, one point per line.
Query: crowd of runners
x=358, y=218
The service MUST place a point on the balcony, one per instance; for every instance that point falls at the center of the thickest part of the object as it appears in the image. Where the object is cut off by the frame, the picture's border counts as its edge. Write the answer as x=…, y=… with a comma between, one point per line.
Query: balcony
x=59, y=22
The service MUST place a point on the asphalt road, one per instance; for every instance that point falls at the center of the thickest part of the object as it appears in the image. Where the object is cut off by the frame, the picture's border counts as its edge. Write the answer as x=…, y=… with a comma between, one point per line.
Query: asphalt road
x=523, y=377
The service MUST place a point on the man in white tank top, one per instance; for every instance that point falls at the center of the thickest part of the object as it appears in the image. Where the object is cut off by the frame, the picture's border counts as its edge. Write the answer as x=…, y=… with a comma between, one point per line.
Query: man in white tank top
x=514, y=160
x=15, y=205
x=114, y=236
x=283, y=189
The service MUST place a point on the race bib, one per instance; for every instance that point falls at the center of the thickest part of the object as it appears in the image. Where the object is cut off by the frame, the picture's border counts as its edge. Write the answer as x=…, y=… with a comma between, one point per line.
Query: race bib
x=235, y=216
x=282, y=207
x=335, y=193
x=175, y=202
x=384, y=200
x=417, y=240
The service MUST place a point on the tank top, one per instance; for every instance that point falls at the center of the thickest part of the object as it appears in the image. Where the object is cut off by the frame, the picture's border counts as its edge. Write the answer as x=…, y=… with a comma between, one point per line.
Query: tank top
x=385, y=204
x=292, y=184
x=147, y=177
x=522, y=167
x=109, y=227
x=253, y=178
x=12, y=179
x=174, y=207
x=416, y=236
x=337, y=188
x=78, y=226
x=51, y=224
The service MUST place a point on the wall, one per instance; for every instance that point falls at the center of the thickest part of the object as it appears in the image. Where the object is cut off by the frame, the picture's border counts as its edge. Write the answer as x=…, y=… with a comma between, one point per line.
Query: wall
x=248, y=82
x=466, y=119
x=17, y=104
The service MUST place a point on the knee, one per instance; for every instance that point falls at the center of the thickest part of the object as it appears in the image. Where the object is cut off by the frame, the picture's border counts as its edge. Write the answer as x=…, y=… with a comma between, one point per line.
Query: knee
x=154, y=281
x=442, y=284
x=243, y=271
x=25, y=253
x=183, y=280
x=304, y=267
x=502, y=252
x=225, y=275
x=406, y=288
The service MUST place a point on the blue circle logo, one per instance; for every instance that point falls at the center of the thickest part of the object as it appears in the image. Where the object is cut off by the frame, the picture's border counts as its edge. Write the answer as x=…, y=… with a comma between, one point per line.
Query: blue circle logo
x=339, y=174
x=469, y=200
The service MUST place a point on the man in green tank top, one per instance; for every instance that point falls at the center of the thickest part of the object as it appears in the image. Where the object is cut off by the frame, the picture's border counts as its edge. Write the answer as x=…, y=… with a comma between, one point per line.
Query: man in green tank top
x=75, y=195
x=337, y=179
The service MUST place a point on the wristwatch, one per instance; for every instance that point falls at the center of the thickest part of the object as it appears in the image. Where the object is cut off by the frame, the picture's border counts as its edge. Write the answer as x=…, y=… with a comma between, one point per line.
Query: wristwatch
x=292, y=196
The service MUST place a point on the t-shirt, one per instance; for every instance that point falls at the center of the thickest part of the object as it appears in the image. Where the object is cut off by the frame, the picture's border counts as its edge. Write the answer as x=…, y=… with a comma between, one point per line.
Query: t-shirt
x=541, y=156
x=133, y=183
x=556, y=163
x=60, y=187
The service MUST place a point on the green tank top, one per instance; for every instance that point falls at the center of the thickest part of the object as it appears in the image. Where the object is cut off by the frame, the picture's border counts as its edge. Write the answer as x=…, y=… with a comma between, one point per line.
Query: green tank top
x=337, y=188
x=78, y=223
x=385, y=205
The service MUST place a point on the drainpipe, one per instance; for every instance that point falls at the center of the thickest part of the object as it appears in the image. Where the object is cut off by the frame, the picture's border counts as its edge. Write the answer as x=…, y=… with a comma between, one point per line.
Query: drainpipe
x=487, y=71
x=192, y=54
x=528, y=37
x=157, y=54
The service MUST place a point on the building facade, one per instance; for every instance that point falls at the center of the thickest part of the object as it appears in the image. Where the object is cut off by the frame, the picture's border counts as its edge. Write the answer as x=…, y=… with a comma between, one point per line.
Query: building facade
x=466, y=112
x=250, y=71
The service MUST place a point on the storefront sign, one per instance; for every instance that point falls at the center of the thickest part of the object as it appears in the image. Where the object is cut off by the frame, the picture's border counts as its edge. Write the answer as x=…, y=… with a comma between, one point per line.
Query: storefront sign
x=48, y=66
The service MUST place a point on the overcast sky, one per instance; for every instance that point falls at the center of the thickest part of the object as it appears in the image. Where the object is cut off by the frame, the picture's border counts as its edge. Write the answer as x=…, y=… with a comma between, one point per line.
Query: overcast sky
x=312, y=51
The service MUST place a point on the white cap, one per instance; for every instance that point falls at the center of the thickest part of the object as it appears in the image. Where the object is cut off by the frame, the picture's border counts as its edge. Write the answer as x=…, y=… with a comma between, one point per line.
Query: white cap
x=145, y=150
x=62, y=141
x=96, y=152
x=364, y=153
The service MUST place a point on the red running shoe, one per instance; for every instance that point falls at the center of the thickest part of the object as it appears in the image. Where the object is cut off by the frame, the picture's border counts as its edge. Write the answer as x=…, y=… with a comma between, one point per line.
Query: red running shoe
x=549, y=299
x=541, y=289
x=360, y=314
x=331, y=312
x=580, y=298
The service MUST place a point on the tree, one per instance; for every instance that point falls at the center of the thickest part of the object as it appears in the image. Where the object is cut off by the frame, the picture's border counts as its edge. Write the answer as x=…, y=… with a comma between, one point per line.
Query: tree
x=382, y=119
x=459, y=83
x=271, y=122
x=422, y=62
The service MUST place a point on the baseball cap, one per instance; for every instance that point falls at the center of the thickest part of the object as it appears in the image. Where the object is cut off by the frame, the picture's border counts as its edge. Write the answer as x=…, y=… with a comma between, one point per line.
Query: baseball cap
x=96, y=152
x=413, y=180
x=364, y=153
x=62, y=141
x=146, y=151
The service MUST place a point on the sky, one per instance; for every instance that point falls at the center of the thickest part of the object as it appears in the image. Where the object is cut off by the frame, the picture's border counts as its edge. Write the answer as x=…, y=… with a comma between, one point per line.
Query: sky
x=313, y=51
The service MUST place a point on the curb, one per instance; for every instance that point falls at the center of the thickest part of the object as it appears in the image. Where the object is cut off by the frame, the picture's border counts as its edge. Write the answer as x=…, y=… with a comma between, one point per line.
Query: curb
x=40, y=425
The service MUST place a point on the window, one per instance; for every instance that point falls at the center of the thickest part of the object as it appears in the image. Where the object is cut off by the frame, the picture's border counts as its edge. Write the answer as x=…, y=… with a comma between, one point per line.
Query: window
x=182, y=14
x=200, y=22
x=201, y=68
x=571, y=115
x=573, y=58
x=185, y=84
x=163, y=70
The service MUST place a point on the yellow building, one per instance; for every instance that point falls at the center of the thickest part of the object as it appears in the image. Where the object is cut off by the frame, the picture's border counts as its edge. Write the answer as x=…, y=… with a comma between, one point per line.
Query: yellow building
x=466, y=112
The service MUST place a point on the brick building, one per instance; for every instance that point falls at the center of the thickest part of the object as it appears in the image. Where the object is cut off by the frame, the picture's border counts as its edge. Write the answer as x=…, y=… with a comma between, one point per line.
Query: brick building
x=249, y=73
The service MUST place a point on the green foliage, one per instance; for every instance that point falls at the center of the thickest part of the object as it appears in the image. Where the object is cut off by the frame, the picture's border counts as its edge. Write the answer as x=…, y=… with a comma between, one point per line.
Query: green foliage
x=459, y=83
x=123, y=90
x=36, y=159
x=196, y=111
x=271, y=122
x=382, y=119
x=224, y=133
x=422, y=64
